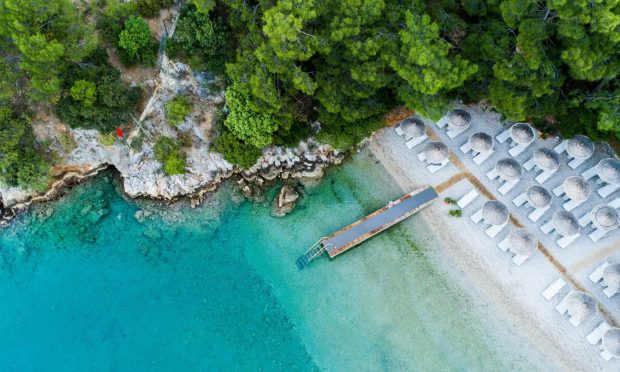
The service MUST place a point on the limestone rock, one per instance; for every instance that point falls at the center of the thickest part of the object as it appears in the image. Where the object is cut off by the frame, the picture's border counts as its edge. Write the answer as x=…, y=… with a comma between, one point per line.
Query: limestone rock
x=285, y=201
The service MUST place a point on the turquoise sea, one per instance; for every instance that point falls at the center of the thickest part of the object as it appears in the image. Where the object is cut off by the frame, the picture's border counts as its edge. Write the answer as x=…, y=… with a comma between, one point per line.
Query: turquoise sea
x=84, y=285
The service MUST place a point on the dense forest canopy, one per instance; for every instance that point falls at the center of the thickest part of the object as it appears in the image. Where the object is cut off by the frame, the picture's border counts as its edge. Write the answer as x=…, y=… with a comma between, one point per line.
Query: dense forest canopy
x=343, y=63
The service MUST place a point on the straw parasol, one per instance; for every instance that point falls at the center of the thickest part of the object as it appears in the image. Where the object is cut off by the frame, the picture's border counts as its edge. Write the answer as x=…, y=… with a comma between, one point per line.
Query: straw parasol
x=580, y=147
x=611, y=275
x=609, y=170
x=459, y=119
x=522, y=242
x=436, y=152
x=577, y=188
x=522, y=133
x=538, y=196
x=481, y=142
x=565, y=223
x=508, y=169
x=413, y=127
x=546, y=159
x=494, y=212
x=604, y=217
x=581, y=306
x=611, y=341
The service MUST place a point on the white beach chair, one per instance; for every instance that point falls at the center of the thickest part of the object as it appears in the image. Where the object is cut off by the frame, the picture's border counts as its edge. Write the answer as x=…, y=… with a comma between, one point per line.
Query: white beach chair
x=399, y=131
x=574, y=321
x=544, y=176
x=597, y=234
x=482, y=157
x=585, y=220
x=615, y=203
x=597, y=334
x=529, y=165
x=559, y=191
x=589, y=173
x=597, y=274
x=442, y=122
x=507, y=186
x=607, y=355
x=416, y=141
x=492, y=174
x=436, y=167
x=575, y=163
x=610, y=291
x=561, y=147
x=572, y=204
x=476, y=217
x=466, y=148
x=538, y=213
x=502, y=137
x=607, y=190
x=422, y=157
x=553, y=289
x=518, y=149
x=495, y=229
x=467, y=199
x=453, y=133
x=504, y=245
x=519, y=259
x=562, y=306
x=520, y=199
x=547, y=227
x=565, y=241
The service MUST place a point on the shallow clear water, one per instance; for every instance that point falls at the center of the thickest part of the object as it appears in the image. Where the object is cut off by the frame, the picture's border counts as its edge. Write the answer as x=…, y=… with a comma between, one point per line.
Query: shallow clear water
x=84, y=285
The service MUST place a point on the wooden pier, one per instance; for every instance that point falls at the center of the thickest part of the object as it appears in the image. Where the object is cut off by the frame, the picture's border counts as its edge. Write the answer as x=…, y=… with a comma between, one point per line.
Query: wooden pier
x=365, y=228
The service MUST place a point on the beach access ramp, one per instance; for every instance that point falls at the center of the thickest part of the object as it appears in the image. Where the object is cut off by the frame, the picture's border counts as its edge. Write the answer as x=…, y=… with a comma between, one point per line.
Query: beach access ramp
x=365, y=228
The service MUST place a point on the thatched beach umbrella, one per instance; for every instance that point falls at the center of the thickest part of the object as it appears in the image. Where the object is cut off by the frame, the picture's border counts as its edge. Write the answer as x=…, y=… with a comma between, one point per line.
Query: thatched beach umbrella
x=522, y=242
x=604, y=217
x=581, y=306
x=413, y=127
x=522, y=133
x=494, y=212
x=611, y=341
x=459, y=119
x=508, y=169
x=481, y=142
x=565, y=223
x=577, y=188
x=609, y=170
x=436, y=152
x=546, y=159
x=538, y=196
x=611, y=276
x=580, y=147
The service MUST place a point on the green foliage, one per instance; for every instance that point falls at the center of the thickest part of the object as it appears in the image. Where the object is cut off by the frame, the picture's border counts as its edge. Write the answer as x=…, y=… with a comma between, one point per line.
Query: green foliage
x=236, y=151
x=168, y=152
x=110, y=101
x=450, y=201
x=203, y=6
x=248, y=124
x=151, y=8
x=137, y=42
x=111, y=16
x=455, y=213
x=108, y=139
x=22, y=162
x=177, y=109
x=67, y=141
x=38, y=39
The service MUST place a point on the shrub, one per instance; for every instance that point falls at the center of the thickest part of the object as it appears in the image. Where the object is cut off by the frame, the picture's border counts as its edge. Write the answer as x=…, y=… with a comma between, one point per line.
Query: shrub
x=177, y=109
x=455, y=213
x=151, y=8
x=84, y=91
x=136, y=43
x=168, y=152
x=67, y=141
x=236, y=151
x=108, y=139
x=449, y=201
x=111, y=15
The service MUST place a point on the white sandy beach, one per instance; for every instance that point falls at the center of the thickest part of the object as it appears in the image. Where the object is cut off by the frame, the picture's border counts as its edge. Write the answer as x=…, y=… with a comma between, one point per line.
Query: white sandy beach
x=514, y=291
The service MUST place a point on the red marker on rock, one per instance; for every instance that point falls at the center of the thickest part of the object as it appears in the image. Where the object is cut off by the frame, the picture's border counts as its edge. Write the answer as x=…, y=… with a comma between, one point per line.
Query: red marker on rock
x=119, y=133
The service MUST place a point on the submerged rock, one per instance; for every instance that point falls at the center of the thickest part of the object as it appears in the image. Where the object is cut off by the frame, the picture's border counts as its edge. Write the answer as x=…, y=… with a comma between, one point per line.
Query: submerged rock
x=285, y=201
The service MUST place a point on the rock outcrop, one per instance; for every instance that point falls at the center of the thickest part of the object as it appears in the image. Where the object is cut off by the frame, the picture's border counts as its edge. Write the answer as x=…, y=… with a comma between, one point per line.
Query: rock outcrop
x=285, y=201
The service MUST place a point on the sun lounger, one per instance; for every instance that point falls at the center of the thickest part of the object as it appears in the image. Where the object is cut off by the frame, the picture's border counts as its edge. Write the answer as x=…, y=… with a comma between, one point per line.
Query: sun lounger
x=572, y=204
x=607, y=190
x=399, y=131
x=518, y=149
x=507, y=186
x=561, y=147
x=589, y=173
x=615, y=203
x=454, y=133
x=610, y=291
x=597, y=234
x=416, y=141
x=502, y=137
x=529, y=165
x=422, y=156
x=562, y=306
x=606, y=355
x=482, y=157
x=597, y=334
x=558, y=191
x=553, y=289
x=467, y=199
x=519, y=259
x=435, y=167
x=492, y=174
x=504, y=245
x=544, y=176
x=466, y=148
x=597, y=274
x=547, y=227
x=538, y=213
x=477, y=217
x=585, y=220
x=520, y=200
x=575, y=321
x=575, y=163
x=495, y=229
x=442, y=122
x=565, y=241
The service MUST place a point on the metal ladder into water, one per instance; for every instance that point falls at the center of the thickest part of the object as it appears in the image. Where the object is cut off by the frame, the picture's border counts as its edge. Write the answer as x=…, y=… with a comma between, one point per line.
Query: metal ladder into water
x=312, y=253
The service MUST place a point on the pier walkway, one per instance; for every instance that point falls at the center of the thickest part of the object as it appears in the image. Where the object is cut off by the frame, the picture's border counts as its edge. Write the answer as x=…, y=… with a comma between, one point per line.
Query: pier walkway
x=374, y=223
